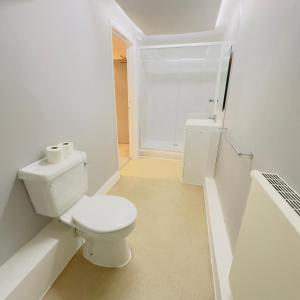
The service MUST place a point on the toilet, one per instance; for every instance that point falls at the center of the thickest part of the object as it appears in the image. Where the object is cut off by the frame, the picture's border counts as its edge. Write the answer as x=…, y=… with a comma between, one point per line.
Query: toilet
x=104, y=222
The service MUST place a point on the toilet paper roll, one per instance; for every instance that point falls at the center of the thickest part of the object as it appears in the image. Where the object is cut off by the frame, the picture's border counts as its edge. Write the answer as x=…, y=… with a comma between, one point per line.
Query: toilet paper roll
x=54, y=154
x=67, y=149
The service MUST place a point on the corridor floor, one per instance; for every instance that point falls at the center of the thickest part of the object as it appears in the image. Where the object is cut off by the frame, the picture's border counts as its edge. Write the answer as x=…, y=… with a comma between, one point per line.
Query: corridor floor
x=124, y=156
x=170, y=249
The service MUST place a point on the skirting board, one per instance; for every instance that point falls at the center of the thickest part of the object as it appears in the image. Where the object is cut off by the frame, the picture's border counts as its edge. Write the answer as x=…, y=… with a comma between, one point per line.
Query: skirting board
x=220, y=249
x=30, y=272
x=109, y=183
x=190, y=183
x=147, y=153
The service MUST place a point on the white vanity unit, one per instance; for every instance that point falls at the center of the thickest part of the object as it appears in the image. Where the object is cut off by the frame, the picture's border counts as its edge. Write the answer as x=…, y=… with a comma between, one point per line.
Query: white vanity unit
x=200, y=150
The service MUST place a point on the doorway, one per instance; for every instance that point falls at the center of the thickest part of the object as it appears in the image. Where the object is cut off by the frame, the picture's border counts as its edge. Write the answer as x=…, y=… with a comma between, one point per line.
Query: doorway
x=121, y=96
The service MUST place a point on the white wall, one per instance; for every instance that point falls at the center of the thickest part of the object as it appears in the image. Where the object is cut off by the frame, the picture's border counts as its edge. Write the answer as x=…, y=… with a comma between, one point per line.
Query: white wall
x=120, y=20
x=263, y=107
x=55, y=84
x=199, y=37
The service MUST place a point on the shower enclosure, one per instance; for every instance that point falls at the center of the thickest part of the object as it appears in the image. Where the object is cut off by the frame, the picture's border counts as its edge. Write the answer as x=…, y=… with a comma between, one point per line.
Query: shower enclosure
x=178, y=82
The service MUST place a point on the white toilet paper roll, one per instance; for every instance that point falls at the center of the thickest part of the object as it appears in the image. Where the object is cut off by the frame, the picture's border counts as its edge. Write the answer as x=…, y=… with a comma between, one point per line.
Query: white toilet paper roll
x=67, y=149
x=54, y=154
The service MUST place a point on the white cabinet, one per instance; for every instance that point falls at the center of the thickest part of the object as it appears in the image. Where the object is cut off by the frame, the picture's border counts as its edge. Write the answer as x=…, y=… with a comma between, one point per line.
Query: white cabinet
x=200, y=150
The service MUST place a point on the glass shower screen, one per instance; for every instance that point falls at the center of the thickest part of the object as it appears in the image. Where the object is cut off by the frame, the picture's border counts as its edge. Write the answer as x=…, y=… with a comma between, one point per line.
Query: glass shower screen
x=176, y=83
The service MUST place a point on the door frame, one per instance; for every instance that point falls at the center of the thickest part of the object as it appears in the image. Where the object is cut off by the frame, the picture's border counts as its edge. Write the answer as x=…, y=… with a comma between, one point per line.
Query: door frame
x=131, y=87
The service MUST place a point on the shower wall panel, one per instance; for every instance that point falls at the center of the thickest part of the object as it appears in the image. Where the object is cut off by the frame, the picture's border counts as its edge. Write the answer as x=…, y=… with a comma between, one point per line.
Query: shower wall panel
x=176, y=84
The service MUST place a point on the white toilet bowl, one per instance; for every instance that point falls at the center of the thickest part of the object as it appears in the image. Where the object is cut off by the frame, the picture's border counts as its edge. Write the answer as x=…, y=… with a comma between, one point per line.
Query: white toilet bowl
x=104, y=222
x=108, y=249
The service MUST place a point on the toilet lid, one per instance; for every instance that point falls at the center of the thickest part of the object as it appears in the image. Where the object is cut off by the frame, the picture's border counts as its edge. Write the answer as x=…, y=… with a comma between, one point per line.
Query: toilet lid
x=105, y=214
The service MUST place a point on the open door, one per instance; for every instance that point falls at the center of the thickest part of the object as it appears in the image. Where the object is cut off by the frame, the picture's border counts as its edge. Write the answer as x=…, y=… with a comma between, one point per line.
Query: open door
x=121, y=97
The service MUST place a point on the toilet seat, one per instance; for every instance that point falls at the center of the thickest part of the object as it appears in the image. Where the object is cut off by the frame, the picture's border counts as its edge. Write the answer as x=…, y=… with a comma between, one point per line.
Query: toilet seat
x=104, y=214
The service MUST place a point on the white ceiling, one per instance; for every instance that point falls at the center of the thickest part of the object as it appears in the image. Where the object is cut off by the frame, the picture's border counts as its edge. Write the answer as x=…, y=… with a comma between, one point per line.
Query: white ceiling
x=172, y=16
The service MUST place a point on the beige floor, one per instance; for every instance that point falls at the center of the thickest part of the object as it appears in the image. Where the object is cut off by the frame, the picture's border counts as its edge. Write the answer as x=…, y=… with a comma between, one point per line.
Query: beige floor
x=171, y=259
x=123, y=154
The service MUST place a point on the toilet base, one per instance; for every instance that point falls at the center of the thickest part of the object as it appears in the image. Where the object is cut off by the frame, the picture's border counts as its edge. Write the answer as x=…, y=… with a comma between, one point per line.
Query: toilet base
x=107, y=253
